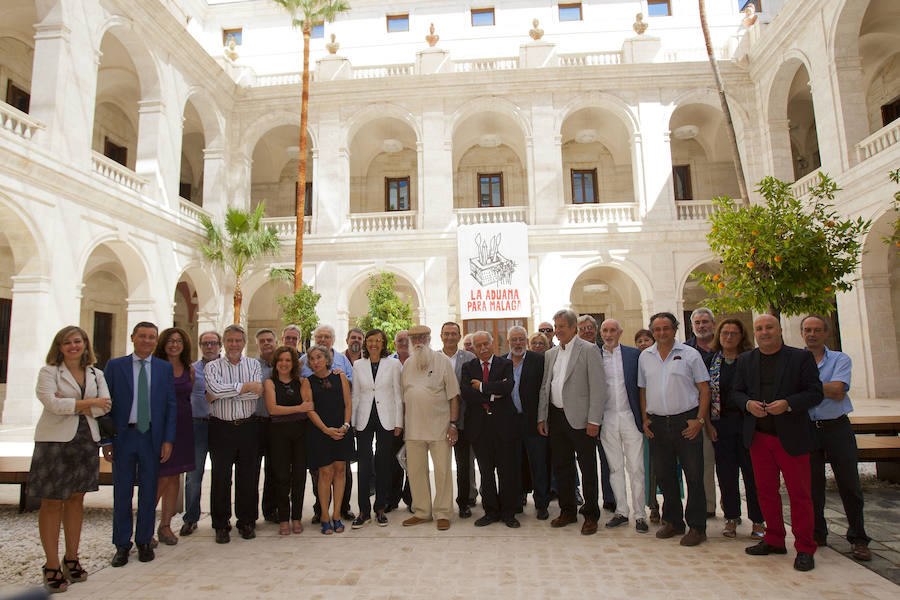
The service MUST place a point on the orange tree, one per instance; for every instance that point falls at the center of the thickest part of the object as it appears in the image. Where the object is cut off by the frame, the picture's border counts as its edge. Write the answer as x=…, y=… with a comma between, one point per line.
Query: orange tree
x=894, y=239
x=786, y=256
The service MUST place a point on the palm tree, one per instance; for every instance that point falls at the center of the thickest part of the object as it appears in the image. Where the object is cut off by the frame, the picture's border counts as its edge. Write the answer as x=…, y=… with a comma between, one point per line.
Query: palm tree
x=732, y=137
x=305, y=14
x=245, y=239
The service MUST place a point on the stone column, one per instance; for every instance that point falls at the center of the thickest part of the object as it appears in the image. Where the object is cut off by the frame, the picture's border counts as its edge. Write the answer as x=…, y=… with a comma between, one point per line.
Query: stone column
x=656, y=163
x=333, y=208
x=435, y=173
x=238, y=181
x=420, y=185
x=781, y=163
x=849, y=95
x=215, y=194
x=155, y=156
x=873, y=345
x=545, y=173
x=637, y=174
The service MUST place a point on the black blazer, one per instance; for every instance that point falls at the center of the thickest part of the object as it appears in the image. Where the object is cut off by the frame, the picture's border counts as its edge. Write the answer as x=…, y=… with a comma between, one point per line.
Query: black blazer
x=796, y=380
x=530, y=389
x=503, y=420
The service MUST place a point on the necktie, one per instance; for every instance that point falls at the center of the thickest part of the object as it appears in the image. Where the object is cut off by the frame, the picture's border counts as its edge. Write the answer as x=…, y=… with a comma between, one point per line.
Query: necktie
x=485, y=371
x=143, y=399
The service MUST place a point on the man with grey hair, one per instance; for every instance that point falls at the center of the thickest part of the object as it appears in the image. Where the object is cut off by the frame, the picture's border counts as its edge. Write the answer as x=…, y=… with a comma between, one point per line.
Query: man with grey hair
x=587, y=328
x=573, y=396
x=290, y=336
x=703, y=324
x=401, y=346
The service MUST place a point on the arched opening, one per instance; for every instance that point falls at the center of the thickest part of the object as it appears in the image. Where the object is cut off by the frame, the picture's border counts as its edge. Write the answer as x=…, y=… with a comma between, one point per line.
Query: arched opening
x=701, y=155
x=879, y=47
x=104, y=303
x=17, y=52
x=384, y=167
x=359, y=303
x=116, y=117
x=596, y=158
x=802, y=125
x=274, y=173
x=609, y=293
x=694, y=296
x=263, y=311
x=185, y=311
x=489, y=162
x=193, y=142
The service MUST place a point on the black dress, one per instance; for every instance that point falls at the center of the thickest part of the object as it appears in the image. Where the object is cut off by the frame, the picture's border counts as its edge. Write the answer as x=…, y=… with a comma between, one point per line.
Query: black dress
x=328, y=399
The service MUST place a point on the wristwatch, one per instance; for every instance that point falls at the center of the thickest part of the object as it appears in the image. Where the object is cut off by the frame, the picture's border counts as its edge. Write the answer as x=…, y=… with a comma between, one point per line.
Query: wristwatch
x=702, y=421
x=455, y=424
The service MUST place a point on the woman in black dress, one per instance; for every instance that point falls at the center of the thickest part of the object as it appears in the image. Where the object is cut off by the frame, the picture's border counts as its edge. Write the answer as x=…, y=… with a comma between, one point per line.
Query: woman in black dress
x=288, y=400
x=65, y=463
x=328, y=443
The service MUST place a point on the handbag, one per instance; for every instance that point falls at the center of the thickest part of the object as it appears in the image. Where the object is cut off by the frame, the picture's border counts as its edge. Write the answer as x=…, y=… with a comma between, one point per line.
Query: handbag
x=105, y=423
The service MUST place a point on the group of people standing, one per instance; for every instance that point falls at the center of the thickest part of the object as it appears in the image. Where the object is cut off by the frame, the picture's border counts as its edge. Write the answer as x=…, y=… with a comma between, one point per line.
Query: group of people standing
x=533, y=418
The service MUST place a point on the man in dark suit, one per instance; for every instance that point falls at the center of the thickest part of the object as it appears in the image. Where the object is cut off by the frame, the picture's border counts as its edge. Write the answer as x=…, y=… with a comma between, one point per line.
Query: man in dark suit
x=492, y=424
x=623, y=424
x=142, y=388
x=775, y=386
x=528, y=373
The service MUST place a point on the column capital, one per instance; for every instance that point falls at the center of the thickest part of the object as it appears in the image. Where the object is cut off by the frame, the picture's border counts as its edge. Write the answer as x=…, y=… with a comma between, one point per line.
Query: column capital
x=140, y=305
x=52, y=31
x=214, y=154
x=31, y=284
x=151, y=106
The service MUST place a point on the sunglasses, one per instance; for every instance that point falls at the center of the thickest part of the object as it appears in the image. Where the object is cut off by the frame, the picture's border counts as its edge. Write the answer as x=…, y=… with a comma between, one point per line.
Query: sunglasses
x=546, y=330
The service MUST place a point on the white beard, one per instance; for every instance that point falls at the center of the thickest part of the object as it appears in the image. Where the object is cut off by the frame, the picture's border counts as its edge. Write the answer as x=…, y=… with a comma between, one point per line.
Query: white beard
x=422, y=357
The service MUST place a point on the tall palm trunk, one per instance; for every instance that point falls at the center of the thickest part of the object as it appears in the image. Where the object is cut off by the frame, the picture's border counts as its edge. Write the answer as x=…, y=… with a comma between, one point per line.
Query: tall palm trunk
x=238, y=299
x=732, y=137
x=301, y=163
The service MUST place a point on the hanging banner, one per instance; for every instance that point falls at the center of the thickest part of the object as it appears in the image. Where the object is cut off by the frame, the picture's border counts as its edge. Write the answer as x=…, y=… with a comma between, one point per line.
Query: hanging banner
x=493, y=271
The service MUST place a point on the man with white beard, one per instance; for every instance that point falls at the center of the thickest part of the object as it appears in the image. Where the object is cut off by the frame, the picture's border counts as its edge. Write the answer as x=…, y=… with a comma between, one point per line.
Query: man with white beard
x=431, y=413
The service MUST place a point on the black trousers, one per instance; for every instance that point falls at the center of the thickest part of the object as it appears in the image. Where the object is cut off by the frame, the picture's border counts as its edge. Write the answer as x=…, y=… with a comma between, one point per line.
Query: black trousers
x=498, y=455
x=462, y=452
x=287, y=463
x=269, y=505
x=837, y=445
x=384, y=464
x=234, y=446
x=733, y=461
x=567, y=445
x=399, y=483
x=666, y=445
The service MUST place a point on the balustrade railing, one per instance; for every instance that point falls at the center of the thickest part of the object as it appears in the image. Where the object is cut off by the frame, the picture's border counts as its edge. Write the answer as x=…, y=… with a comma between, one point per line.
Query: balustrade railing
x=603, y=213
x=505, y=214
x=694, y=210
x=881, y=140
x=383, y=222
x=286, y=227
x=801, y=187
x=377, y=71
x=113, y=171
x=486, y=64
x=191, y=211
x=590, y=59
x=17, y=122
x=278, y=79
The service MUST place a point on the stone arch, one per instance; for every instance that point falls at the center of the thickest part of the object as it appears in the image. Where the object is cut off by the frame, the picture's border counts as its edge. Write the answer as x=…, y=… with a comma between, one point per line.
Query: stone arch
x=378, y=111
x=484, y=104
x=843, y=33
x=595, y=99
x=211, y=116
x=29, y=248
x=631, y=270
x=710, y=97
x=145, y=60
x=362, y=275
x=134, y=264
x=775, y=107
x=258, y=128
x=600, y=274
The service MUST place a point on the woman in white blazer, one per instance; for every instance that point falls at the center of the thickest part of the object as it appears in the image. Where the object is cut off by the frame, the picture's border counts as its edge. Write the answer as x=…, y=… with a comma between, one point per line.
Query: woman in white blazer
x=66, y=463
x=378, y=414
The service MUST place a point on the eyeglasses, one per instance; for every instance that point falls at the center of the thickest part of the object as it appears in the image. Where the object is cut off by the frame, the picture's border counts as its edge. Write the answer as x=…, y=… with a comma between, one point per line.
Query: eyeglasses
x=729, y=333
x=546, y=330
x=209, y=344
x=175, y=341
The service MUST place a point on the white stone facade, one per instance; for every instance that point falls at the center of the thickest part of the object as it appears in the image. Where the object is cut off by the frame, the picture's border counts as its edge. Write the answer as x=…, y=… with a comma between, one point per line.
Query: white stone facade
x=84, y=236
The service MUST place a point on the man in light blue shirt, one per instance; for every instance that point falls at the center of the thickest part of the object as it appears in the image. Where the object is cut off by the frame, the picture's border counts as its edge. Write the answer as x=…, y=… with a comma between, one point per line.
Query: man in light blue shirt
x=835, y=439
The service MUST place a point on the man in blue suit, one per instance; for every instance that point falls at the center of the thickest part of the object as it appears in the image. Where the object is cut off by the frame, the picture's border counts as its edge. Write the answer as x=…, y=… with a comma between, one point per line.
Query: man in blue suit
x=622, y=432
x=142, y=389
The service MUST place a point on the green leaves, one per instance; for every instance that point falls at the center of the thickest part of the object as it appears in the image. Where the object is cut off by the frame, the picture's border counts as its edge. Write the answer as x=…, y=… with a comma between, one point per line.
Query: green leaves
x=787, y=256
x=307, y=13
x=299, y=307
x=386, y=311
x=894, y=239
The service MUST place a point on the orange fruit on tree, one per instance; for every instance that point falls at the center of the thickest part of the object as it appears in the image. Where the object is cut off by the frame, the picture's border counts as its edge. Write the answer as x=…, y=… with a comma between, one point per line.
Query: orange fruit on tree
x=717, y=277
x=750, y=264
x=777, y=259
x=721, y=284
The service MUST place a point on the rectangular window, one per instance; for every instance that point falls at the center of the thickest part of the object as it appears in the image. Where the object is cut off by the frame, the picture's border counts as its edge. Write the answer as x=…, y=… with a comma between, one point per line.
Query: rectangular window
x=318, y=31
x=396, y=193
x=235, y=34
x=184, y=190
x=102, y=338
x=307, y=200
x=584, y=186
x=397, y=23
x=681, y=176
x=482, y=17
x=490, y=190
x=17, y=97
x=115, y=152
x=570, y=12
x=658, y=8
x=890, y=112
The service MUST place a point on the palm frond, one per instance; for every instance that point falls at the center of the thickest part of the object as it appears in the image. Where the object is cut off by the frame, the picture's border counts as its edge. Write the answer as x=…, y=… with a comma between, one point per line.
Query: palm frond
x=281, y=275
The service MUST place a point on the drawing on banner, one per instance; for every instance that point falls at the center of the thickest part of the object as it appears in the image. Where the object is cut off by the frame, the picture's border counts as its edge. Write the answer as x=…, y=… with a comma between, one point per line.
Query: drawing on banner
x=489, y=266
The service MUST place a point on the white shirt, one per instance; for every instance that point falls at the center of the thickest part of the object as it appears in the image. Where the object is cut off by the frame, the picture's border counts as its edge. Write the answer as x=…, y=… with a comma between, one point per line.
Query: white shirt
x=617, y=402
x=559, y=374
x=671, y=384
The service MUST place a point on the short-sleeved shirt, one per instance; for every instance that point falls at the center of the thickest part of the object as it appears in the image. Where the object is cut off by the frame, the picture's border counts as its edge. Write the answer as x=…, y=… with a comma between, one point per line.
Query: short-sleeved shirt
x=426, y=398
x=834, y=366
x=338, y=361
x=671, y=385
x=199, y=405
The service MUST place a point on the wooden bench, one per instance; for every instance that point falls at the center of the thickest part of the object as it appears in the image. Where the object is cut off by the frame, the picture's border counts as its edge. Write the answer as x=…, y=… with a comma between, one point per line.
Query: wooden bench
x=878, y=447
x=881, y=425
x=16, y=469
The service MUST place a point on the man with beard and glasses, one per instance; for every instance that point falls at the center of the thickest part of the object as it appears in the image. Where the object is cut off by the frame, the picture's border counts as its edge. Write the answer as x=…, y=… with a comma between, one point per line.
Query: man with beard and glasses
x=354, y=344
x=431, y=414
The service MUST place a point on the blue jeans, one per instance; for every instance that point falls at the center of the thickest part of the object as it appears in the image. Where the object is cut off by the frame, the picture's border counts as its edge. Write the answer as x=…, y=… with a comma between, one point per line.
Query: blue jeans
x=193, y=481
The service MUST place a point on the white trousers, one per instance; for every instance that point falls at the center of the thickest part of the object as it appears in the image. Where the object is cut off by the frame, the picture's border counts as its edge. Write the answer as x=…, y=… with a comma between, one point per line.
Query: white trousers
x=624, y=447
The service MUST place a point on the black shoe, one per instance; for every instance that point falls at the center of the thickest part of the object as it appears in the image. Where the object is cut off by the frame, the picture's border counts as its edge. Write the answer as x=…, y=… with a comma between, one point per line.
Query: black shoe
x=763, y=549
x=121, y=557
x=804, y=562
x=609, y=506
x=473, y=502
x=145, y=552
x=513, y=523
x=486, y=520
x=381, y=520
x=465, y=513
x=543, y=514
x=188, y=529
x=360, y=521
x=222, y=536
x=641, y=526
x=348, y=516
x=616, y=521
x=248, y=532
x=317, y=518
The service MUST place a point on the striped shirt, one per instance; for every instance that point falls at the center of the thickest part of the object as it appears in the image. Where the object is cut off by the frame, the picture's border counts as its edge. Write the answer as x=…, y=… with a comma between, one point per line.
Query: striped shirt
x=224, y=381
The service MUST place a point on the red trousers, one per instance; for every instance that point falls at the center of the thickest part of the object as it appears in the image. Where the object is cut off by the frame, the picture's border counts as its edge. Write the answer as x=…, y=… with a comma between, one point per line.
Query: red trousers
x=769, y=459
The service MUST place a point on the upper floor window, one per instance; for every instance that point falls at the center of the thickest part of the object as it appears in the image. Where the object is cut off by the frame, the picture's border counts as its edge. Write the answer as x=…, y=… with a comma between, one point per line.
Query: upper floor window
x=890, y=112
x=232, y=34
x=659, y=8
x=584, y=186
x=681, y=177
x=17, y=97
x=570, y=11
x=115, y=152
x=307, y=201
x=318, y=31
x=482, y=17
x=490, y=190
x=396, y=193
x=397, y=23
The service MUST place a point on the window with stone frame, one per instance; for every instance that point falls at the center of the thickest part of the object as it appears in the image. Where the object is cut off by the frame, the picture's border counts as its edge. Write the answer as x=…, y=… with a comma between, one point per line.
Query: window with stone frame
x=584, y=186
x=490, y=190
x=396, y=193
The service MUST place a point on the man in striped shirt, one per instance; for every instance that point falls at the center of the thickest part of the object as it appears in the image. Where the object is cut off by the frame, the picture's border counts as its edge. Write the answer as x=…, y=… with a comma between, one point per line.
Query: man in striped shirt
x=234, y=385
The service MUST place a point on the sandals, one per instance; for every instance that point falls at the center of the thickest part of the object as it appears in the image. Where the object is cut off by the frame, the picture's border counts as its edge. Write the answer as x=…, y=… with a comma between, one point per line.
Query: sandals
x=73, y=570
x=284, y=528
x=327, y=529
x=54, y=580
x=169, y=538
x=297, y=527
x=730, y=530
x=338, y=526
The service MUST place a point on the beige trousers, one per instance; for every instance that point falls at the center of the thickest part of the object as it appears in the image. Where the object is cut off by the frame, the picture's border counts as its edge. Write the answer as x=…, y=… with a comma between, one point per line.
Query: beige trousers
x=419, y=484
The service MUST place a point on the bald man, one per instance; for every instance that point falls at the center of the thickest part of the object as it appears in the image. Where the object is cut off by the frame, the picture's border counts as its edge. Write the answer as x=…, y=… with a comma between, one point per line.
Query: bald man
x=775, y=386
